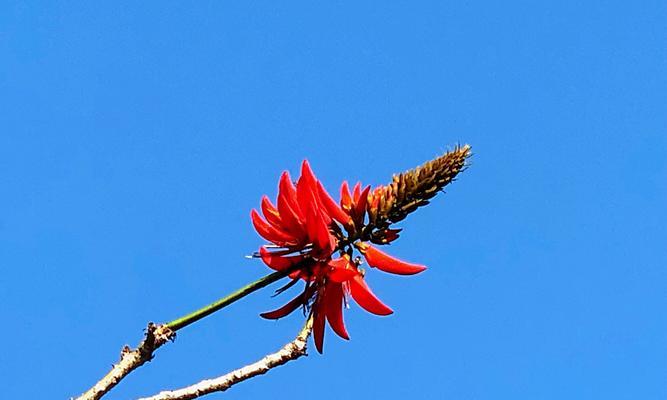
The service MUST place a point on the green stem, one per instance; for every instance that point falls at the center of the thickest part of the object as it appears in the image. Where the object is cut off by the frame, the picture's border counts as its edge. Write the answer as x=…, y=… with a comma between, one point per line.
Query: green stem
x=195, y=316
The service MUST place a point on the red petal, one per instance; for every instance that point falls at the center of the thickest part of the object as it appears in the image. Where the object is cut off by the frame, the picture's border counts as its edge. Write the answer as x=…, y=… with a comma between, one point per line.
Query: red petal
x=334, y=309
x=345, y=197
x=277, y=261
x=387, y=263
x=326, y=239
x=305, y=189
x=270, y=212
x=290, y=219
x=318, y=327
x=360, y=205
x=296, y=274
x=269, y=232
x=287, y=191
x=342, y=275
x=356, y=192
x=330, y=205
x=307, y=172
x=311, y=228
x=363, y=295
x=291, y=305
x=287, y=207
x=318, y=232
x=341, y=270
x=286, y=309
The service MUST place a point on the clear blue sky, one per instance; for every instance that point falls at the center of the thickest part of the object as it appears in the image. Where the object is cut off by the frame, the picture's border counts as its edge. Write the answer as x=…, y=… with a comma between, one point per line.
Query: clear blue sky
x=134, y=140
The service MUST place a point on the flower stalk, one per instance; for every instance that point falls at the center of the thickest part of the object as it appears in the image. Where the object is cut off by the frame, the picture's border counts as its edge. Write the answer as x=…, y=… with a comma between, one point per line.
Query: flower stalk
x=219, y=304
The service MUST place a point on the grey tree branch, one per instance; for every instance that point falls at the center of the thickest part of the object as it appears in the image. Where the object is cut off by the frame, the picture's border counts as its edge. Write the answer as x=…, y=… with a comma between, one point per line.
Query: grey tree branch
x=131, y=359
x=157, y=335
x=291, y=351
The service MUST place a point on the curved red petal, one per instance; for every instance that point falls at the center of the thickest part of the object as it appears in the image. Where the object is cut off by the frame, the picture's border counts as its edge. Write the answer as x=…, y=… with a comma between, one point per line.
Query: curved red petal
x=345, y=197
x=340, y=262
x=307, y=200
x=334, y=309
x=356, y=191
x=287, y=190
x=270, y=212
x=325, y=239
x=331, y=206
x=311, y=226
x=269, y=232
x=341, y=270
x=306, y=171
x=360, y=205
x=284, y=310
x=318, y=233
x=305, y=189
x=278, y=261
x=292, y=305
x=384, y=262
x=363, y=295
x=290, y=218
x=318, y=328
x=342, y=275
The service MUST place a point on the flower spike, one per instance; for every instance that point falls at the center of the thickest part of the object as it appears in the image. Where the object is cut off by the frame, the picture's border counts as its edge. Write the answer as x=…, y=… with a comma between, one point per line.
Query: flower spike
x=317, y=237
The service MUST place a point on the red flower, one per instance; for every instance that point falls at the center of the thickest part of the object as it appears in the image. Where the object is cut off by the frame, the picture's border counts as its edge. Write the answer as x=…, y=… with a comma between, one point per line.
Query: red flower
x=305, y=227
x=338, y=278
x=301, y=218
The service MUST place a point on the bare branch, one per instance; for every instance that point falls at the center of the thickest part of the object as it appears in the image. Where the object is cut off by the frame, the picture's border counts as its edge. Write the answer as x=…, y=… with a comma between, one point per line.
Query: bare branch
x=291, y=351
x=131, y=359
x=157, y=335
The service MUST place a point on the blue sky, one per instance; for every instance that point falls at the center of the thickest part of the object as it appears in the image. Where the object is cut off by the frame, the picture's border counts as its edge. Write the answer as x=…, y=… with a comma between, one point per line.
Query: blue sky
x=134, y=140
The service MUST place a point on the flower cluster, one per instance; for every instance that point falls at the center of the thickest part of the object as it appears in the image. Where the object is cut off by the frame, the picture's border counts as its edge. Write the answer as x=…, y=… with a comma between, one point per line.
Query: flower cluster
x=314, y=239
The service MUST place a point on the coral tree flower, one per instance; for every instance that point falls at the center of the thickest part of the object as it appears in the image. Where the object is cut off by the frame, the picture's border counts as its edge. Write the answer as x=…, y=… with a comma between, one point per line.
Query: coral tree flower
x=306, y=230
x=299, y=220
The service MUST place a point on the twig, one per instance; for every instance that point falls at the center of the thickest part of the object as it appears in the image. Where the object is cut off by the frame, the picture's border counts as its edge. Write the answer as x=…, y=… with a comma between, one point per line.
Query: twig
x=131, y=359
x=291, y=351
x=157, y=335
